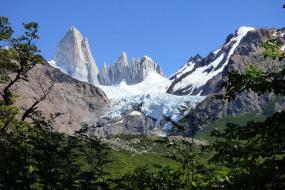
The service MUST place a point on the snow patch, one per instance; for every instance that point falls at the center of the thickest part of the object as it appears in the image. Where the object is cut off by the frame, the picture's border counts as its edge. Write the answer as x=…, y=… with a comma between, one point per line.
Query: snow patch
x=147, y=57
x=186, y=68
x=217, y=51
x=200, y=76
x=53, y=63
x=135, y=113
x=121, y=121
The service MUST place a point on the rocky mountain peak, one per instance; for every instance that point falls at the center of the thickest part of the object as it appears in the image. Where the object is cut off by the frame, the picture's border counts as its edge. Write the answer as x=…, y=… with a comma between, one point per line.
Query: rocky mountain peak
x=134, y=72
x=104, y=67
x=123, y=59
x=243, y=30
x=145, y=57
x=74, y=30
x=74, y=57
x=195, y=58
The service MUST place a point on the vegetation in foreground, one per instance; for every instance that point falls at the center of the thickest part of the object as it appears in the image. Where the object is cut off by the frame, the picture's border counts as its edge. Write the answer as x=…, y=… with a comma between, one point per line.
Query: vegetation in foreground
x=33, y=156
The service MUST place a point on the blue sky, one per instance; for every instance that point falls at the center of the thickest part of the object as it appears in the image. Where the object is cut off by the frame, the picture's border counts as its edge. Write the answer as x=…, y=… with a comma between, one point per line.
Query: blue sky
x=169, y=31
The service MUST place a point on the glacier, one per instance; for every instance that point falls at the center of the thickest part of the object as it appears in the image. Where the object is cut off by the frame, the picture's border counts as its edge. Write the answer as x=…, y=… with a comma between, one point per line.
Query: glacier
x=150, y=95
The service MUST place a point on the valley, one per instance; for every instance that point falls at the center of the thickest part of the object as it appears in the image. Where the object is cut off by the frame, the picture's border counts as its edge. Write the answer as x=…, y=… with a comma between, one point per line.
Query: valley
x=73, y=116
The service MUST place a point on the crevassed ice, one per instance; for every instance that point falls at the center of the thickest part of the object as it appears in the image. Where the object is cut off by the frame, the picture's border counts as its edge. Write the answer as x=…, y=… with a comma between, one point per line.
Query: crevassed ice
x=151, y=95
x=155, y=106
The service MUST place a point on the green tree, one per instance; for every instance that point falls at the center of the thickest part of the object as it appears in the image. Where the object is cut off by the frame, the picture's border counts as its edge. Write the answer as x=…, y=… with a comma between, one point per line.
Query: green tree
x=143, y=178
x=255, y=153
x=18, y=55
x=94, y=153
x=32, y=154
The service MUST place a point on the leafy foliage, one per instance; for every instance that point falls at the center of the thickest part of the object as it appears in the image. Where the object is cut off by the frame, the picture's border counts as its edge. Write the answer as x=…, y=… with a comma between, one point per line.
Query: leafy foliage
x=32, y=155
x=254, y=153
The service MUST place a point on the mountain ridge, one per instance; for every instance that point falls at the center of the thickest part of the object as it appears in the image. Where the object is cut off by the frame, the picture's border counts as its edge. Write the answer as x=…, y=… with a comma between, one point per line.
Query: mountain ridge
x=132, y=72
x=74, y=58
x=140, y=113
x=193, y=76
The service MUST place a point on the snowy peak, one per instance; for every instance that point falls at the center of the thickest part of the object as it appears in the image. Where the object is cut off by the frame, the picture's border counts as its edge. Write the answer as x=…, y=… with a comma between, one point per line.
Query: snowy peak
x=104, y=68
x=243, y=30
x=75, y=32
x=123, y=59
x=73, y=57
x=132, y=73
x=199, y=74
x=195, y=58
x=146, y=58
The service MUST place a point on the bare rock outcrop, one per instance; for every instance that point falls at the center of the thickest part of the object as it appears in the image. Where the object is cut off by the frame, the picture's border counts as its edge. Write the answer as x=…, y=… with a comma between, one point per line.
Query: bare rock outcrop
x=80, y=102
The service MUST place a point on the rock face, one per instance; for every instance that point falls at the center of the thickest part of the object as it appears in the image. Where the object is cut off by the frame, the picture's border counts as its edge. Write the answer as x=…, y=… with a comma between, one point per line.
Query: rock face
x=130, y=122
x=131, y=73
x=78, y=101
x=240, y=49
x=73, y=57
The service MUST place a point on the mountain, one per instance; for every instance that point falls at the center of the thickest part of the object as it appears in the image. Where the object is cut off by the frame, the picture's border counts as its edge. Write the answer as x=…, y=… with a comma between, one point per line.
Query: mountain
x=132, y=73
x=204, y=75
x=73, y=57
x=143, y=101
x=200, y=75
x=137, y=90
x=80, y=102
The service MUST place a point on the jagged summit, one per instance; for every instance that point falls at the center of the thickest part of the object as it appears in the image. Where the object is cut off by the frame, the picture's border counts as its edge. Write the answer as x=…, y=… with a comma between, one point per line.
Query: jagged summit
x=243, y=30
x=131, y=72
x=104, y=67
x=195, y=58
x=123, y=59
x=147, y=57
x=73, y=57
x=73, y=29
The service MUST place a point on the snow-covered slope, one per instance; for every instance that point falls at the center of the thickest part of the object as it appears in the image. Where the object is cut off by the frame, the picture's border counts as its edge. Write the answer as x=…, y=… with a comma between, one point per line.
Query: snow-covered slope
x=150, y=99
x=191, y=78
x=153, y=83
x=74, y=58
